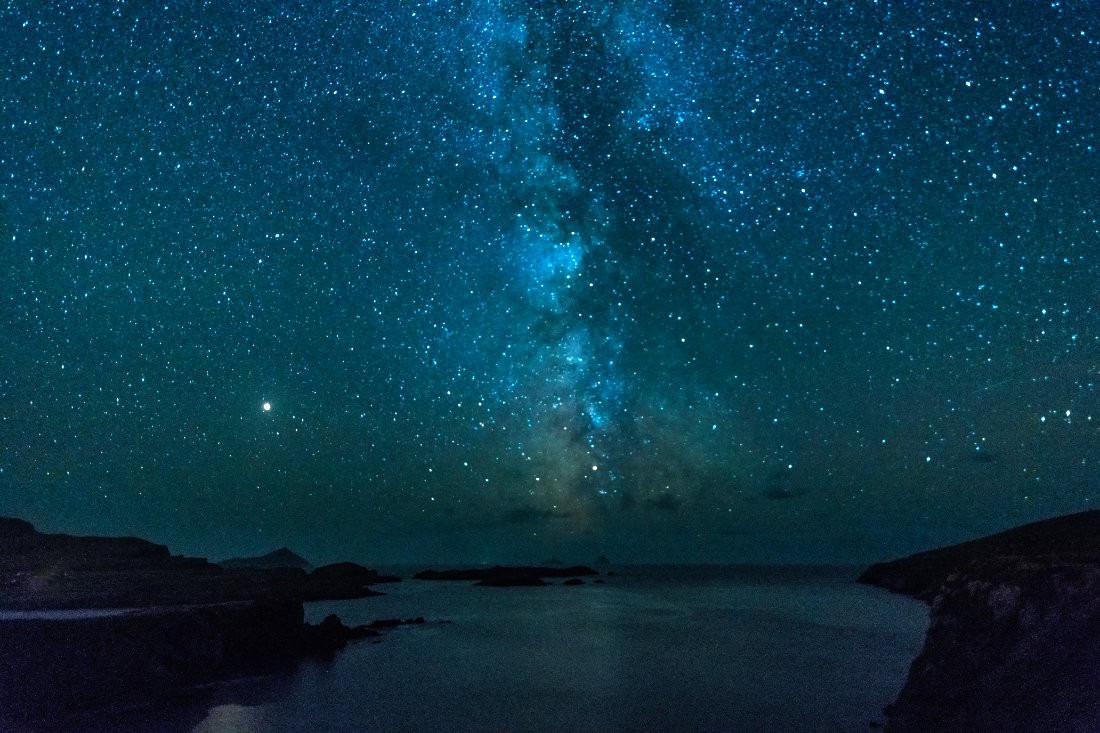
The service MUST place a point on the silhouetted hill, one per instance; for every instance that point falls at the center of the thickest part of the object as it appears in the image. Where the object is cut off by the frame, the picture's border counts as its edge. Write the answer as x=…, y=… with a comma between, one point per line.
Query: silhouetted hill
x=281, y=558
x=55, y=571
x=1074, y=536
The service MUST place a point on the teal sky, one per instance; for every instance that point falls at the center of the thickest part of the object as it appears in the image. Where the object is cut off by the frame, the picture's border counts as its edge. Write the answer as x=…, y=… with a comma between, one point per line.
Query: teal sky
x=668, y=281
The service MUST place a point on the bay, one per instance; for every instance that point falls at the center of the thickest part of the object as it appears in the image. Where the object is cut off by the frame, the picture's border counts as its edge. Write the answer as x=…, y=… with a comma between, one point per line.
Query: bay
x=651, y=648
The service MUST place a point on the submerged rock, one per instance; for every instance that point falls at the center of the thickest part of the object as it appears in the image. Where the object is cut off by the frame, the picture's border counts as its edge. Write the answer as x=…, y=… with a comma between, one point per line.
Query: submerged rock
x=1014, y=636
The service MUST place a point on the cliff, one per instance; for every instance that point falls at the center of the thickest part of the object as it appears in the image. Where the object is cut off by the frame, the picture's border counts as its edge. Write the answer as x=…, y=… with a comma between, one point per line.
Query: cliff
x=1013, y=645
x=94, y=622
x=55, y=665
x=1014, y=633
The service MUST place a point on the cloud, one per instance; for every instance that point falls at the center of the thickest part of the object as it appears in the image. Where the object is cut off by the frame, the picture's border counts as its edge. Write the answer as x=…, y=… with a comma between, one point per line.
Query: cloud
x=666, y=501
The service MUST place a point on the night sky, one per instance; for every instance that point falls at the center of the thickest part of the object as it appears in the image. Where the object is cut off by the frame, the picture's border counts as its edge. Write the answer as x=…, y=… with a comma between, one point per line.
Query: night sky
x=496, y=280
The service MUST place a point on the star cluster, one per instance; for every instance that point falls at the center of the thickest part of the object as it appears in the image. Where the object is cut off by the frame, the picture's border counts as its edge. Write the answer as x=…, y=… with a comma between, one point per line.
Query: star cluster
x=494, y=279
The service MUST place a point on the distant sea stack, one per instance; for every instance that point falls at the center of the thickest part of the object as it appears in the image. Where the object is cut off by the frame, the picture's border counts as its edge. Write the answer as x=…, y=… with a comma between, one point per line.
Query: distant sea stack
x=507, y=576
x=1014, y=636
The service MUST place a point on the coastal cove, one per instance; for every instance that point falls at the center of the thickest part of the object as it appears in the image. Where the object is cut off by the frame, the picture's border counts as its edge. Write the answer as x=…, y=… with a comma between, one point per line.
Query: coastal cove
x=112, y=635
x=720, y=648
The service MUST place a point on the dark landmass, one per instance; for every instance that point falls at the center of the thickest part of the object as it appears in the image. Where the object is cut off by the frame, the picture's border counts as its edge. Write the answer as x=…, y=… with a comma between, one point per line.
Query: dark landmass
x=175, y=622
x=40, y=571
x=505, y=576
x=55, y=667
x=921, y=575
x=281, y=558
x=343, y=580
x=1014, y=636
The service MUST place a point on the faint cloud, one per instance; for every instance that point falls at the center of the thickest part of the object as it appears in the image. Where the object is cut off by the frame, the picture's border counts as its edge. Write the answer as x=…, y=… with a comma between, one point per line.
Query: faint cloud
x=666, y=501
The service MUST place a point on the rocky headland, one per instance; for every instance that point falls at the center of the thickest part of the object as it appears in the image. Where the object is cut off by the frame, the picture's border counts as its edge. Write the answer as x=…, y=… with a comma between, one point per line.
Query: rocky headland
x=1013, y=642
x=89, y=622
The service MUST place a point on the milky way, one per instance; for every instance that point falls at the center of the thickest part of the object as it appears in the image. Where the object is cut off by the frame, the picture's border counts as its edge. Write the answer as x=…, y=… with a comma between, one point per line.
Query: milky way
x=505, y=280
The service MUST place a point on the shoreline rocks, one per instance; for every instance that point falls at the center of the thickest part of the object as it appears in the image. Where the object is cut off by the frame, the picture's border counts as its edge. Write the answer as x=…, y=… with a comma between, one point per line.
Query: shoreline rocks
x=53, y=668
x=88, y=623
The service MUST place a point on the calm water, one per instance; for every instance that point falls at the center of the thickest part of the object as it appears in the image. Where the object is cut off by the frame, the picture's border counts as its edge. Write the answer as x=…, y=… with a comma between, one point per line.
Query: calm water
x=705, y=649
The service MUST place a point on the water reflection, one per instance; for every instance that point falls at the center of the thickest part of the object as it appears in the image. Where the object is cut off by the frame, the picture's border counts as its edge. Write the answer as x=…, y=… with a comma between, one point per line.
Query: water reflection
x=234, y=719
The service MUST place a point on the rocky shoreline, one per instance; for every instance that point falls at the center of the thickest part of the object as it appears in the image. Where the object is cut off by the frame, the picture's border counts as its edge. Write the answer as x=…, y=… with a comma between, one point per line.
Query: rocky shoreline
x=1014, y=634
x=89, y=623
x=97, y=622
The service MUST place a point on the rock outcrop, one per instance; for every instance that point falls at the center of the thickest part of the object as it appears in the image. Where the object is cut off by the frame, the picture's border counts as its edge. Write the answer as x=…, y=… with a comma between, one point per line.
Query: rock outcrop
x=57, y=665
x=93, y=622
x=1014, y=636
x=343, y=580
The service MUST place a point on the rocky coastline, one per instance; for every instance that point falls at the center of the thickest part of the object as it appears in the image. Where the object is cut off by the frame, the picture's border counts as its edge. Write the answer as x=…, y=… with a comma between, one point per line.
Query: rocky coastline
x=95, y=622
x=1013, y=642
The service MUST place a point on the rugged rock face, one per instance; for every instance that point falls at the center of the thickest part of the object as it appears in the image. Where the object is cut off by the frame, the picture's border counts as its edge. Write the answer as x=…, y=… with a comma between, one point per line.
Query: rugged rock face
x=1013, y=645
x=1014, y=637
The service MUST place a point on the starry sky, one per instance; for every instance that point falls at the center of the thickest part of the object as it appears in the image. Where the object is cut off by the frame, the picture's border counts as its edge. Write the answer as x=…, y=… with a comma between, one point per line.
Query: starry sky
x=505, y=280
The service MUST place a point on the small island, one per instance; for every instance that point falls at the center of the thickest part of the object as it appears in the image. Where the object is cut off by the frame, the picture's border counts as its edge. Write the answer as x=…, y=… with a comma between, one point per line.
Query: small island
x=502, y=576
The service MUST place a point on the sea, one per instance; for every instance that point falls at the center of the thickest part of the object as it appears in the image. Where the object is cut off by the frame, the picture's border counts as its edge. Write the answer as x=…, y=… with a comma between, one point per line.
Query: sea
x=651, y=648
